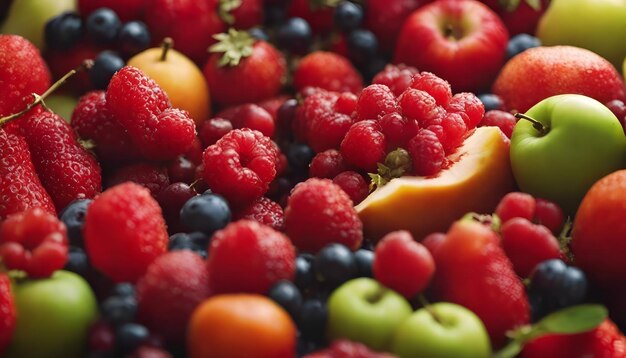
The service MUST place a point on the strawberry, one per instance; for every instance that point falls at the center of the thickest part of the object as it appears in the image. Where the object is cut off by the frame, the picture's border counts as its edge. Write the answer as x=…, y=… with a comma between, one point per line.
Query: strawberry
x=329, y=71
x=238, y=61
x=20, y=187
x=473, y=271
x=605, y=341
x=66, y=169
x=7, y=312
x=22, y=73
x=126, y=9
x=144, y=110
x=124, y=232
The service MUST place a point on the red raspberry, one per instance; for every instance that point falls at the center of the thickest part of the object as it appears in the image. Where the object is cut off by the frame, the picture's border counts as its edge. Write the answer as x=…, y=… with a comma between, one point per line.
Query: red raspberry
x=375, y=101
x=20, y=187
x=364, y=145
x=265, y=211
x=503, y=120
x=250, y=116
x=240, y=166
x=8, y=309
x=453, y=131
x=66, y=169
x=151, y=176
x=344, y=349
x=144, y=110
x=403, y=264
x=398, y=130
x=469, y=104
x=353, y=184
x=34, y=241
x=435, y=86
x=346, y=103
x=516, y=204
x=91, y=120
x=173, y=286
x=124, y=219
x=549, y=215
x=397, y=77
x=527, y=245
x=327, y=164
x=327, y=70
x=319, y=213
x=214, y=129
x=247, y=256
x=427, y=153
x=420, y=106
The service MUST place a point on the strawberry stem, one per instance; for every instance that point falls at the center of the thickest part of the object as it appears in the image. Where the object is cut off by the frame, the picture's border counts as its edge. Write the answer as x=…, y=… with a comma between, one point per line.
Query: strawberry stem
x=166, y=45
x=39, y=99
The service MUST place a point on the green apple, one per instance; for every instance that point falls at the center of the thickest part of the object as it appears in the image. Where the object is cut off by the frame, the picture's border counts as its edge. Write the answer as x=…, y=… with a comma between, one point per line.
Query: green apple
x=597, y=25
x=62, y=104
x=28, y=18
x=581, y=142
x=365, y=311
x=53, y=316
x=452, y=331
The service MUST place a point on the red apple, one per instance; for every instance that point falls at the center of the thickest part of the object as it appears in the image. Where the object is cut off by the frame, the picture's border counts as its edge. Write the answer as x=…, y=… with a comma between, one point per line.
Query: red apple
x=543, y=72
x=462, y=41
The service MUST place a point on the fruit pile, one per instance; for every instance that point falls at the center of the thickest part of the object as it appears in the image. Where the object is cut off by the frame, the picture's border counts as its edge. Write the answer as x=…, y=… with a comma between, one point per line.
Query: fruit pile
x=319, y=179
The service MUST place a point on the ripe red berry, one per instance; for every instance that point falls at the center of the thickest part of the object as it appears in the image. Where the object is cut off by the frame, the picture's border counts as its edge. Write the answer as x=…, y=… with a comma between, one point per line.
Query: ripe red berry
x=516, y=204
x=346, y=103
x=214, y=129
x=247, y=256
x=124, y=219
x=171, y=199
x=374, y=102
x=503, y=120
x=398, y=130
x=420, y=106
x=9, y=315
x=549, y=214
x=250, y=116
x=435, y=86
x=453, y=130
x=403, y=264
x=154, y=177
x=327, y=70
x=426, y=152
x=327, y=164
x=469, y=104
x=353, y=184
x=397, y=77
x=364, y=145
x=319, y=213
x=264, y=211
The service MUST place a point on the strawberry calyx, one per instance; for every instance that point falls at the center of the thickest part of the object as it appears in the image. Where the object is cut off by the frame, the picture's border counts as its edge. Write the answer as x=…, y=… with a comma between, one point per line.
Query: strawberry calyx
x=235, y=46
x=225, y=8
x=512, y=5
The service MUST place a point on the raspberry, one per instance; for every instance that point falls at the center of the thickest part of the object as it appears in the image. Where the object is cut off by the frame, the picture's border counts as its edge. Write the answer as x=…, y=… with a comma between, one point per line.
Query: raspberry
x=327, y=164
x=346, y=103
x=34, y=241
x=250, y=116
x=265, y=211
x=527, y=245
x=397, y=77
x=66, y=169
x=549, y=215
x=364, y=145
x=151, y=176
x=327, y=70
x=344, y=348
x=143, y=109
x=516, y=204
x=453, y=131
x=8, y=309
x=214, y=129
x=124, y=219
x=20, y=187
x=171, y=289
x=240, y=166
x=397, y=129
x=247, y=256
x=319, y=213
x=435, y=86
x=469, y=104
x=353, y=184
x=426, y=152
x=420, y=106
x=503, y=120
x=375, y=101
x=403, y=264
x=91, y=120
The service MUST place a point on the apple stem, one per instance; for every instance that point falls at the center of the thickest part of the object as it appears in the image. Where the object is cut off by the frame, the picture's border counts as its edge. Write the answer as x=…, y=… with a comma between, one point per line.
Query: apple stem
x=166, y=45
x=536, y=124
x=39, y=99
x=429, y=308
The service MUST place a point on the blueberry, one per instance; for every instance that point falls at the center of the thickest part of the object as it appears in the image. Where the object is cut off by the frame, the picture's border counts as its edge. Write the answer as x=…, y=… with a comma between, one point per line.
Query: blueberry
x=259, y=34
x=299, y=157
x=312, y=319
x=520, y=43
x=124, y=289
x=206, y=213
x=77, y=261
x=104, y=67
x=73, y=216
x=335, y=264
x=181, y=241
x=295, y=35
x=103, y=25
x=129, y=336
x=491, y=101
x=63, y=31
x=304, y=271
x=305, y=347
x=364, y=260
x=119, y=309
x=362, y=45
x=348, y=16
x=200, y=239
x=287, y=295
x=557, y=285
x=134, y=37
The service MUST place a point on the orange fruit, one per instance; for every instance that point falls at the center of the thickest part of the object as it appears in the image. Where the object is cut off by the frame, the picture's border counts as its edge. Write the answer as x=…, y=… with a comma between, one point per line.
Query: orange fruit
x=240, y=325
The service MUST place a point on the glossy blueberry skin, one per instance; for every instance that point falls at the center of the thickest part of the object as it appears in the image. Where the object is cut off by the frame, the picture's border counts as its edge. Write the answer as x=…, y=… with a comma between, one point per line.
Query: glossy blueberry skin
x=287, y=295
x=63, y=31
x=104, y=67
x=520, y=43
x=134, y=37
x=491, y=102
x=295, y=35
x=73, y=216
x=205, y=213
x=335, y=264
x=348, y=16
x=554, y=285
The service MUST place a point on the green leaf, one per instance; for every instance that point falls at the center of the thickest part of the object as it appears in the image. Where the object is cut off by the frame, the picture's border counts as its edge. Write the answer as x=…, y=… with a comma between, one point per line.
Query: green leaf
x=534, y=4
x=509, y=5
x=235, y=46
x=225, y=9
x=572, y=320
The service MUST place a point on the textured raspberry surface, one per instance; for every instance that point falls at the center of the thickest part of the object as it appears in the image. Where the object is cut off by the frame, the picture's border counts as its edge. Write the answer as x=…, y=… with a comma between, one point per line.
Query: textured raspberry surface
x=327, y=164
x=152, y=176
x=426, y=152
x=435, y=86
x=397, y=77
x=265, y=211
x=364, y=145
x=353, y=184
x=375, y=101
